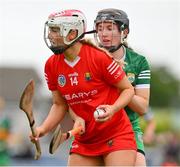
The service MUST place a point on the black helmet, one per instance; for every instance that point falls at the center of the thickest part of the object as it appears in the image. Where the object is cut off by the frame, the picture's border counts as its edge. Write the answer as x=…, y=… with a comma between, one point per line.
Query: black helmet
x=116, y=15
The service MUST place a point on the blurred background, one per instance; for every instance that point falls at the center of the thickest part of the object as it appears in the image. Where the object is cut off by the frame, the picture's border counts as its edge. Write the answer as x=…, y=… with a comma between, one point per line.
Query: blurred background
x=154, y=32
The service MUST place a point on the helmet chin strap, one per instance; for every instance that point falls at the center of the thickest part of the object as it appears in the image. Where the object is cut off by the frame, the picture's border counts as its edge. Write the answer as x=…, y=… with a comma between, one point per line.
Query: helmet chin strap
x=58, y=50
x=112, y=49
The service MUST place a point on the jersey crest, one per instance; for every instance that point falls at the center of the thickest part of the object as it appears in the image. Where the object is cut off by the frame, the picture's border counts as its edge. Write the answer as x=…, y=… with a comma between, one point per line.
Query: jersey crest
x=61, y=80
x=131, y=77
x=87, y=76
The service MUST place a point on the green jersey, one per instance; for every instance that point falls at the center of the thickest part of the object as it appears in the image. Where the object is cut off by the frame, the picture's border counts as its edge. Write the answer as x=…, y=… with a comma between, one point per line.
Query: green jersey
x=4, y=131
x=138, y=72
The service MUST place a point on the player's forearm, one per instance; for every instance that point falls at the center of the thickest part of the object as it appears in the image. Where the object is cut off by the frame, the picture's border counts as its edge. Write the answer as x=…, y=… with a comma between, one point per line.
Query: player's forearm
x=56, y=114
x=150, y=128
x=124, y=99
x=72, y=114
x=139, y=104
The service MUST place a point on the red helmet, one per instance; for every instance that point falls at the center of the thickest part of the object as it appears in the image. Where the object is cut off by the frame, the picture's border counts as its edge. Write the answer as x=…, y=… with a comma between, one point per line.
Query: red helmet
x=66, y=21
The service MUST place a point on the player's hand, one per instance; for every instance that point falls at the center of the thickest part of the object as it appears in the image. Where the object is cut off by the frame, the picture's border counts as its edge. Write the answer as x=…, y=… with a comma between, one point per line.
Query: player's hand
x=79, y=122
x=108, y=114
x=148, y=137
x=39, y=132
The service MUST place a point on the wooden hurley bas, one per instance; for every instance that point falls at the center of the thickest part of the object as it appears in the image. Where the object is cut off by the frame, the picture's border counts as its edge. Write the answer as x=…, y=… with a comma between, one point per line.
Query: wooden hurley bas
x=26, y=105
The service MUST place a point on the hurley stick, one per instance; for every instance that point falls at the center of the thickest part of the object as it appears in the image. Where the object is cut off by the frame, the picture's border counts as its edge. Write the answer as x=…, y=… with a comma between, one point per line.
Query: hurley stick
x=59, y=137
x=26, y=104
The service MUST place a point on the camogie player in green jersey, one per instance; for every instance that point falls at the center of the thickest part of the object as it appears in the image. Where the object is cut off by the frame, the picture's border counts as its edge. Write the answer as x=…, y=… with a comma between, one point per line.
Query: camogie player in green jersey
x=112, y=29
x=4, y=136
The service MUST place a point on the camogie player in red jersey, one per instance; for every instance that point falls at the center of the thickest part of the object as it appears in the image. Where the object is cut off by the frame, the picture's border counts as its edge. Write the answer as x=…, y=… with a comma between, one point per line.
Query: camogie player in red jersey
x=84, y=78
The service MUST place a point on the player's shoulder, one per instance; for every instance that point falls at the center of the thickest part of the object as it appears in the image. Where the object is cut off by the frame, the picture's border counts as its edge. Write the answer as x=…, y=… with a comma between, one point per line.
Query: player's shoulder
x=132, y=53
x=135, y=57
x=52, y=59
x=94, y=50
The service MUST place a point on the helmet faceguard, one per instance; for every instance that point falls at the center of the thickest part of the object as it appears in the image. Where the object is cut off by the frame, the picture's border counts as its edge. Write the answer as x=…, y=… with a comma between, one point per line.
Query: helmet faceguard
x=66, y=21
x=116, y=16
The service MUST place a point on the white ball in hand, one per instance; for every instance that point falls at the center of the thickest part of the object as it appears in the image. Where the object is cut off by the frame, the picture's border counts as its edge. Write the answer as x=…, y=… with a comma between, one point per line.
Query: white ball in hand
x=98, y=112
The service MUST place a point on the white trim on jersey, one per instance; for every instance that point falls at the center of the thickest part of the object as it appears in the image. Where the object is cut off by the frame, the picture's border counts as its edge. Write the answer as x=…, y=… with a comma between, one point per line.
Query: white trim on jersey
x=124, y=56
x=142, y=86
x=72, y=63
x=115, y=69
x=145, y=71
x=144, y=77
x=46, y=77
x=144, y=74
x=112, y=67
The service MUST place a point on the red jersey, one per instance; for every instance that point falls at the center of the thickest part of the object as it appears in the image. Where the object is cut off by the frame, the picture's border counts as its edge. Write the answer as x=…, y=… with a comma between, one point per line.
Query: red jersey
x=86, y=83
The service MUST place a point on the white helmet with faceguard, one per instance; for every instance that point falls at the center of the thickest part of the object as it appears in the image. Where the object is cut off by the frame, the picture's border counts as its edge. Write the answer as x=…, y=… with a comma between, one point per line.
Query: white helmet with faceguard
x=65, y=21
x=116, y=16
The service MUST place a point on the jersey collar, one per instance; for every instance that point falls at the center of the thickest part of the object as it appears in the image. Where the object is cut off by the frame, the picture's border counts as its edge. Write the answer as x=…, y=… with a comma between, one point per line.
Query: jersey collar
x=72, y=63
